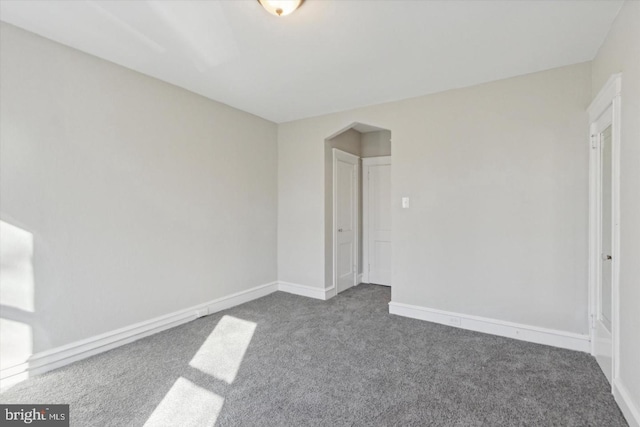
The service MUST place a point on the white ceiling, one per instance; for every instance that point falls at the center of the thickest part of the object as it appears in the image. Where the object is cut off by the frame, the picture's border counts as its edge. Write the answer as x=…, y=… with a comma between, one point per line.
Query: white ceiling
x=329, y=55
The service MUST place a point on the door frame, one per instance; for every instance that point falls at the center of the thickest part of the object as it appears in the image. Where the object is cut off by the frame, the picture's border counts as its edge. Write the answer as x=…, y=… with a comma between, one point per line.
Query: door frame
x=608, y=101
x=366, y=164
x=336, y=152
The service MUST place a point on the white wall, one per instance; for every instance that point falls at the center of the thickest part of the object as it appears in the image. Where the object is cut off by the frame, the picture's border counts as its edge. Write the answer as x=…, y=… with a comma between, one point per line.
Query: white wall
x=497, y=176
x=621, y=53
x=142, y=198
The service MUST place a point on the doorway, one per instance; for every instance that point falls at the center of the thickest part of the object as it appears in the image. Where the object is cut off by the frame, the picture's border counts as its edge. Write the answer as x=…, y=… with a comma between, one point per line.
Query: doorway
x=345, y=151
x=604, y=224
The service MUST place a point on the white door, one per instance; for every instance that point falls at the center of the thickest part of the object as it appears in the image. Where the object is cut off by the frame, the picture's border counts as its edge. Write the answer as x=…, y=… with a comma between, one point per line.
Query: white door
x=604, y=227
x=603, y=344
x=377, y=220
x=345, y=219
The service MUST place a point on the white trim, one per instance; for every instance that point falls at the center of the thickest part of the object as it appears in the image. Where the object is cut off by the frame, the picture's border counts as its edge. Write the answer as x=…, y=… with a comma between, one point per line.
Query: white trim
x=345, y=154
x=552, y=337
x=60, y=356
x=336, y=154
x=365, y=219
x=358, y=127
x=630, y=411
x=306, y=291
x=611, y=89
x=372, y=161
x=360, y=278
x=604, y=110
x=367, y=162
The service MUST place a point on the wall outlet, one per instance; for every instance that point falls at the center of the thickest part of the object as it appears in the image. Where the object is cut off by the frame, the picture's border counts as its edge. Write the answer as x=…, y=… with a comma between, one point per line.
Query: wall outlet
x=202, y=312
x=455, y=321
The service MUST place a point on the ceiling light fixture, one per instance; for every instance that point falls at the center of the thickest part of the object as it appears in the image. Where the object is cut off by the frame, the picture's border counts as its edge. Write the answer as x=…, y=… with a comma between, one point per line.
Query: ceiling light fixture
x=280, y=7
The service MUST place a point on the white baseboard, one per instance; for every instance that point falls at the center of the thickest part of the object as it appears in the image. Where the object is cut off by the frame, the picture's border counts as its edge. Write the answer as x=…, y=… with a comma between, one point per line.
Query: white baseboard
x=360, y=278
x=306, y=291
x=45, y=361
x=562, y=339
x=66, y=354
x=628, y=407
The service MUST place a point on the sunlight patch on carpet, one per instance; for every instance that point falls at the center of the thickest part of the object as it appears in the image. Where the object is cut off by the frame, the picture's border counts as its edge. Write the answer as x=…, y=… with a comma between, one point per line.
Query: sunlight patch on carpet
x=221, y=354
x=185, y=405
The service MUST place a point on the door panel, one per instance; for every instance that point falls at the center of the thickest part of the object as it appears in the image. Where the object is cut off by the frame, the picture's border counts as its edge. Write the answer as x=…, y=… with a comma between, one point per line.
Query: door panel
x=379, y=223
x=346, y=190
x=603, y=339
x=381, y=262
x=605, y=309
x=345, y=195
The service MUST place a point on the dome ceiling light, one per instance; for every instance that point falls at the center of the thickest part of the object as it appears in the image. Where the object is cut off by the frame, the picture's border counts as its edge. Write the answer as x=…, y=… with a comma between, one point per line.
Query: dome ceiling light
x=280, y=7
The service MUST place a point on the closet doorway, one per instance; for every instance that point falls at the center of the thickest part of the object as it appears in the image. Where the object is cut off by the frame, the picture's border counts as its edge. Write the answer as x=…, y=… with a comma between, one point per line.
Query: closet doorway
x=357, y=242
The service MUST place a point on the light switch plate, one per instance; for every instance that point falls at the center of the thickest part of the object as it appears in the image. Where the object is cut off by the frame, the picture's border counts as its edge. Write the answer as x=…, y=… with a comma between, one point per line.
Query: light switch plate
x=405, y=203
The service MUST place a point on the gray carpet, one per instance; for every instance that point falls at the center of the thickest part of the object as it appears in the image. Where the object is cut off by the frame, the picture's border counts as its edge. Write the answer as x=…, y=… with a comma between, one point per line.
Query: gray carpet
x=345, y=361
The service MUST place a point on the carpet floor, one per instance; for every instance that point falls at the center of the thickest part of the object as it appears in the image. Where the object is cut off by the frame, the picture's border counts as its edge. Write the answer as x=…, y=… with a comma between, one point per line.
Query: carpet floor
x=286, y=360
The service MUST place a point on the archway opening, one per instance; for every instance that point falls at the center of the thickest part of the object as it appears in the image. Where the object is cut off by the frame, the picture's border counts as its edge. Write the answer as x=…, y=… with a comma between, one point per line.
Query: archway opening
x=348, y=258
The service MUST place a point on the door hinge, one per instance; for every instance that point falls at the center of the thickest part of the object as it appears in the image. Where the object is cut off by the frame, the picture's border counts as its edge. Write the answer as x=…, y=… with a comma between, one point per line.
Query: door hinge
x=593, y=321
x=594, y=141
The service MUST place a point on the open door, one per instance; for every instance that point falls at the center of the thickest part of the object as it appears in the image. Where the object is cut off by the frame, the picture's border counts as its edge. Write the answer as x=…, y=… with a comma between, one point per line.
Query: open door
x=604, y=227
x=603, y=337
x=345, y=219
